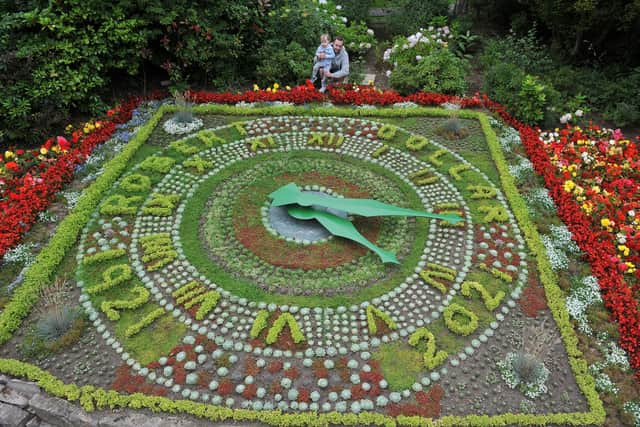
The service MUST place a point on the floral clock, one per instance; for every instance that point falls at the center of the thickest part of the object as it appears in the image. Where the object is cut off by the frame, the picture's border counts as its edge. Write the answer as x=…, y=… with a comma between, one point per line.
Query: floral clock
x=248, y=309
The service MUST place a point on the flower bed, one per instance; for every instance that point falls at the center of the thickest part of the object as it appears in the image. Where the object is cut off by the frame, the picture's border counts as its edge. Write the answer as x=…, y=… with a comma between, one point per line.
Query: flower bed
x=445, y=308
x=592, y=176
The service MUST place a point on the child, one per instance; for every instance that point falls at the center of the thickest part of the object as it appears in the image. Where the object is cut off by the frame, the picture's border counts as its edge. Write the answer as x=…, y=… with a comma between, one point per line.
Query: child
x=325, y=62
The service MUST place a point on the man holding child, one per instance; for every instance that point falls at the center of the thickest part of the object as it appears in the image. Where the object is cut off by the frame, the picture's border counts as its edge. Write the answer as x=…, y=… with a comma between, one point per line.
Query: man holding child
x=338, y=71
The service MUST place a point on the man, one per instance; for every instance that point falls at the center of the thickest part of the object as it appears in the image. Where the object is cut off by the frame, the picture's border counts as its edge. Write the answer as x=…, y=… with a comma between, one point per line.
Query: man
x=339, y=71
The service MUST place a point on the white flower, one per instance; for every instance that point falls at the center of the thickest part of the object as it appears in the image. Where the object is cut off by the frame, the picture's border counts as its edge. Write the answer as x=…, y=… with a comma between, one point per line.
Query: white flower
x=370, y=32
x=368, y=45
x=339, y=7
x=388, y=73
x=177, y=128
x=430, y=28
x=566, y=118
x=631, y=213
x=344, y=19
x=579, y=113
x=322, y=1
x=386, y=55
x=405, y=46
x=418, y=57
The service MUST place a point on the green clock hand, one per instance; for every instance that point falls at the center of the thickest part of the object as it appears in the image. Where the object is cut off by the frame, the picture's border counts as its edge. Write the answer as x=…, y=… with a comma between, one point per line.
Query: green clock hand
x=340, y=227
x=290, y=194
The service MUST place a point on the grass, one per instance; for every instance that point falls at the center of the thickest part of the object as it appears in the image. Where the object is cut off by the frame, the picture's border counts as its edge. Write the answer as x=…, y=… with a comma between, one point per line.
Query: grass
x=400, y=364
x=154, y=341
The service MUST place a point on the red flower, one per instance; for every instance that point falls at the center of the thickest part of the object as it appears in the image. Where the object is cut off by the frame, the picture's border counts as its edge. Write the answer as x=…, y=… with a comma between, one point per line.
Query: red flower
x=12, y=166
x=63, y=143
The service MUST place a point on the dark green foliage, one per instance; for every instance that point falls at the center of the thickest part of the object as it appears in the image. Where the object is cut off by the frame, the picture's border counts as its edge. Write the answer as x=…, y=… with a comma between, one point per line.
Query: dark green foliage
x=415, y=14
x=583, y=28
x=59, y=57
x=56, y=58
x=624, y=114
x=288, y=64
x=405, y=79
x=512, y=68
x=202, y=41
x=525, y=52
x=440, y=71
x=356, y=10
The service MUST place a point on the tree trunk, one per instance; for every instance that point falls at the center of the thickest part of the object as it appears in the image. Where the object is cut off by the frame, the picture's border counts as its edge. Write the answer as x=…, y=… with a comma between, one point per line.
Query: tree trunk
x=577, y=44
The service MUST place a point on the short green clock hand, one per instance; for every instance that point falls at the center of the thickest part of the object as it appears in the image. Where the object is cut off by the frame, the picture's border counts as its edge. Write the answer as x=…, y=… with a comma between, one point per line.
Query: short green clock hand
x=342, y=227
x=290, y=194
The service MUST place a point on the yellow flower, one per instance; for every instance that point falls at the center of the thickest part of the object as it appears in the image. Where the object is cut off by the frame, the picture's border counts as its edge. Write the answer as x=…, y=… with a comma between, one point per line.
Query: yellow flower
x=595, y=189
x=275, y=86
x=55, y=149
x=8, y=154
x=268, y=89
x=624, y=249
x=43, y=150
x=569, y=186
x=69, y=128
x=631, y=269
x=288, y=88
x=255, y=87
x=587, y=208
x=98, y=124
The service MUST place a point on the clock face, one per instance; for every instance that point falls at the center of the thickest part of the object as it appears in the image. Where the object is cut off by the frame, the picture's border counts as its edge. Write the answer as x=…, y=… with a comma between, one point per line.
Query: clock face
x=211, y=252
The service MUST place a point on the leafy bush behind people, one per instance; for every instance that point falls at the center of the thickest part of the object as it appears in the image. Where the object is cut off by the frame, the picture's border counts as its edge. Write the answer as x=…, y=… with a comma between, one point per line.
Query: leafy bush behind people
x=423, y=61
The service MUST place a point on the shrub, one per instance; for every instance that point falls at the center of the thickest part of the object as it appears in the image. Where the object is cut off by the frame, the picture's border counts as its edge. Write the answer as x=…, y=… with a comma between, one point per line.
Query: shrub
x=440, y=71
x=411, y=14
x=356, y=10
x=59, y=58
x=623, y=114
x=525, y=52
x=286, y=65
x=532, y=100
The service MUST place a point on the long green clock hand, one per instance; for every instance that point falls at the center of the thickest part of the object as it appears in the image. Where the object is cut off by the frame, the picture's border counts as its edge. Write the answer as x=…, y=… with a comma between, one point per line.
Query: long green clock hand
x=342, y=227
x=291, y=194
